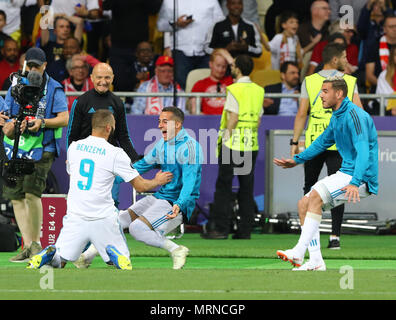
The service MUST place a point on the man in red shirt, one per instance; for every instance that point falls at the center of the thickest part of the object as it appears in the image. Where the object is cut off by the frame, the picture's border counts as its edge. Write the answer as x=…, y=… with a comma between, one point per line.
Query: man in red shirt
x=10, y=61
x=215, y=83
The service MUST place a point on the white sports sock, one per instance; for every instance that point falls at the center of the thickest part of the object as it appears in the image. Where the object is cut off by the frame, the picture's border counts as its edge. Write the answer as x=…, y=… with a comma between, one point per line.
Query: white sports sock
x=141, y=232
x=311, y=226
x=90, y=253
x=314, y=248
x=56, y=260
x=125, y=219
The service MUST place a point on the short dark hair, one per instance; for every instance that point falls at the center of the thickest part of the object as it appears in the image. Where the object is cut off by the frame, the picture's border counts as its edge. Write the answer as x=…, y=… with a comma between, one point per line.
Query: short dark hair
x=2, y=13
x=177, y=113
x=285, y=65
x=337, y=35
x=101, y=118
x=286, y=15
x=389, y=15
x=244, y=63
x=338, y=83
x=332, y=50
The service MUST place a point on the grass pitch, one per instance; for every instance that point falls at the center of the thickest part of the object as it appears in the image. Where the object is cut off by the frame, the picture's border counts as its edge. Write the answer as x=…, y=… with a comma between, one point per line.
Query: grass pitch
x=365, y=268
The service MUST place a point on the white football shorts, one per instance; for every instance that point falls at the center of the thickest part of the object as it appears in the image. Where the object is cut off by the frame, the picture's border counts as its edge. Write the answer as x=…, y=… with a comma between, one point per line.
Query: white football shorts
x=76, y=233
x=155, y=210
x=329, y=189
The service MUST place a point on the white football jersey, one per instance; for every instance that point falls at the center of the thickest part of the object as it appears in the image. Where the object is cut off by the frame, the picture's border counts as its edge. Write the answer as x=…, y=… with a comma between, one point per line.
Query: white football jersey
x=92, y=164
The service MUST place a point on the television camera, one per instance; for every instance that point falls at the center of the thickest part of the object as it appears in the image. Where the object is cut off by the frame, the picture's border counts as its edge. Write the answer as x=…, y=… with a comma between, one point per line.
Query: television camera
x=27, y=91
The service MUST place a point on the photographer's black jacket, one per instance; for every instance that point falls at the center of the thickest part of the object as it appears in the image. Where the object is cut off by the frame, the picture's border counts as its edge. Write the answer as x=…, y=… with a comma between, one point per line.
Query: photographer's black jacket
x=81, y=114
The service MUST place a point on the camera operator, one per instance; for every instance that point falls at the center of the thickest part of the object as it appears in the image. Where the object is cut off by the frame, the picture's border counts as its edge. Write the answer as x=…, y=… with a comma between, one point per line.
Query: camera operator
x=39, y=141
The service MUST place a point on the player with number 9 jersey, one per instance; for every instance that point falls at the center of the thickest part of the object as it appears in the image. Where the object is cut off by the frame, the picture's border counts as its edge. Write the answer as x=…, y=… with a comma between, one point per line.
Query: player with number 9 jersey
x=92, y=164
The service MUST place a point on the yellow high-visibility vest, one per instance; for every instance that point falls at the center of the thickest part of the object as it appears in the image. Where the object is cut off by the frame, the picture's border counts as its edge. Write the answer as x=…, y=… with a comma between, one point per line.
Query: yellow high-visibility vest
x=244, y=137
x=319, y=117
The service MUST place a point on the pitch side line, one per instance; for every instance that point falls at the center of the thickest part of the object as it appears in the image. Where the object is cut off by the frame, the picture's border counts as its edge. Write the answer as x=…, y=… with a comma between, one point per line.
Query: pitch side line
x=349, y=292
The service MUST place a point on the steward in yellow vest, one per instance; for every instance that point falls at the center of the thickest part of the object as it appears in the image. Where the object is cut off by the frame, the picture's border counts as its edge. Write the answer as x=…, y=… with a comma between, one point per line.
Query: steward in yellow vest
x=319, y=118
x=249, y=98
x=238, y=149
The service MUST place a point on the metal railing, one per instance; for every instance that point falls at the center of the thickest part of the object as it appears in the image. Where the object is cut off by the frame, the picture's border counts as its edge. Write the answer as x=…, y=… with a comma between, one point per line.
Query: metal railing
x=200, y=95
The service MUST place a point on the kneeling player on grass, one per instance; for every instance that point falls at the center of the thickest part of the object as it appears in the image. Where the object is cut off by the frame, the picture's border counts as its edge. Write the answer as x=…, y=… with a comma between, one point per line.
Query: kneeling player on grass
x=93, y=164
x=353, y=131
x=151, y=218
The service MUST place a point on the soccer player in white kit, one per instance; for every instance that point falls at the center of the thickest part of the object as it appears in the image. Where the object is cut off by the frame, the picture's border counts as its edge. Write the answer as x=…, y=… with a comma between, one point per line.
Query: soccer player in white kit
x=93, y=163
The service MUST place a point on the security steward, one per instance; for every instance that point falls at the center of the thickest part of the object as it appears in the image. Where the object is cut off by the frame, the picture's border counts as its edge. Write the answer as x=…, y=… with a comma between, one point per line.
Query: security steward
x=335, y=61
x=238, y=148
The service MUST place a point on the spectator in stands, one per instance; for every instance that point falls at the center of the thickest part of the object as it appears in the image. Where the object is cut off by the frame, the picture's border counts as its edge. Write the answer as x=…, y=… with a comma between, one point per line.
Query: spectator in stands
x=285, y=46
x=71, y=47
x=371, y=20
x=10, y=61
x=161, y=82
x=352, y=52
x=386, y=83
x=3, y=36
x=12, y=11
x=250, y=10
x=128, y=27
x=290, y=76
x=7, y=82
x=79, y=80
x=195, y=20
x=144, y=63
x=312, y=31
x=62, y=31
x=215, y=83
x=301, y=7
x=235, y=34
x=378, y=54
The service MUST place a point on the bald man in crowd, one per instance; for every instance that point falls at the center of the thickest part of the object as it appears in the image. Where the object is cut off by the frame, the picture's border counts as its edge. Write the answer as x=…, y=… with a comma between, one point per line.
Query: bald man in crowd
x=100, y=97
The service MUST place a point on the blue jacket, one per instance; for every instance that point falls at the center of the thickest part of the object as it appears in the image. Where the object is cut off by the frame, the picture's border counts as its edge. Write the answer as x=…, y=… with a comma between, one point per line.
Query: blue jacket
x=183, y=157
x=55, y=102
x=353, y=131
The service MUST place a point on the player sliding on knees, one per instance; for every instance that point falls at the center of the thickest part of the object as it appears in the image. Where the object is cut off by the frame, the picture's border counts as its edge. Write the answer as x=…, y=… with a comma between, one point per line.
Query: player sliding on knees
x=353, y=131
x=93, y=163
x=151, y=218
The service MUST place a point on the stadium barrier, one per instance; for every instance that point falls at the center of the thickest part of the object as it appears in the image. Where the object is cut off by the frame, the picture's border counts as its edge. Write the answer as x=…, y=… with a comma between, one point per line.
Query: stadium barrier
x=200, y=95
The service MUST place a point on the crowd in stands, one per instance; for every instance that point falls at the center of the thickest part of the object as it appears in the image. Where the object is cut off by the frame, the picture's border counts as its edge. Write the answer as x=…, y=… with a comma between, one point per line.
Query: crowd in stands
x=149, y=45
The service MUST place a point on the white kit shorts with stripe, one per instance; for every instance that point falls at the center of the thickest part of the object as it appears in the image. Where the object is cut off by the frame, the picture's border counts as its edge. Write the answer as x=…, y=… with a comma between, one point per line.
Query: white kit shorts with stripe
x=155, y=211
x=329, y=189
x=77, y=232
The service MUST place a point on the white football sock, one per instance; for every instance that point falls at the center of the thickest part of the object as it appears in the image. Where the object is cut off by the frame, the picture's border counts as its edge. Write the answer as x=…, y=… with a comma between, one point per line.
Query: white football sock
x=141, y=232
x=124, y=218
x=90, y=253
x=311, y=226
x=314, y=248
x=56, y=260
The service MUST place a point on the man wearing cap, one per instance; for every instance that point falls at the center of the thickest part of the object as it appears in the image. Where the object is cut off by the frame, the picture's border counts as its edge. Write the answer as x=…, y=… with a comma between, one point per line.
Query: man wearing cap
x=40, y=142
x=161, y=82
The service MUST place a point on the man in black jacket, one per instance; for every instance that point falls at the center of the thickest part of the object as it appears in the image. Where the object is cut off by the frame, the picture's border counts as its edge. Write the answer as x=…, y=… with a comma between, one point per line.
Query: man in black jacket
x=101, y=98
x=235, y=34
x=290, y=76
x=128, y=27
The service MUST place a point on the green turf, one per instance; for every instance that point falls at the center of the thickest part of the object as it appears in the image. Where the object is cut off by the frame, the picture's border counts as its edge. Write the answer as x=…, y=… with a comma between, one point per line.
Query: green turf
x=217, y=269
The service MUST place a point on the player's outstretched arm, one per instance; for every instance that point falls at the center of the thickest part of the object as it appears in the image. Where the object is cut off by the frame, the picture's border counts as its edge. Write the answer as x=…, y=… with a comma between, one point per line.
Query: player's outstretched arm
x=143, y=185
x=285, y=163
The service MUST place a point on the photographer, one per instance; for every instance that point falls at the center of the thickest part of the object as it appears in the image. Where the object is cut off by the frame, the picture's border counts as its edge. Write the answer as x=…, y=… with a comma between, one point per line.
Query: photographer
x=39, y=141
